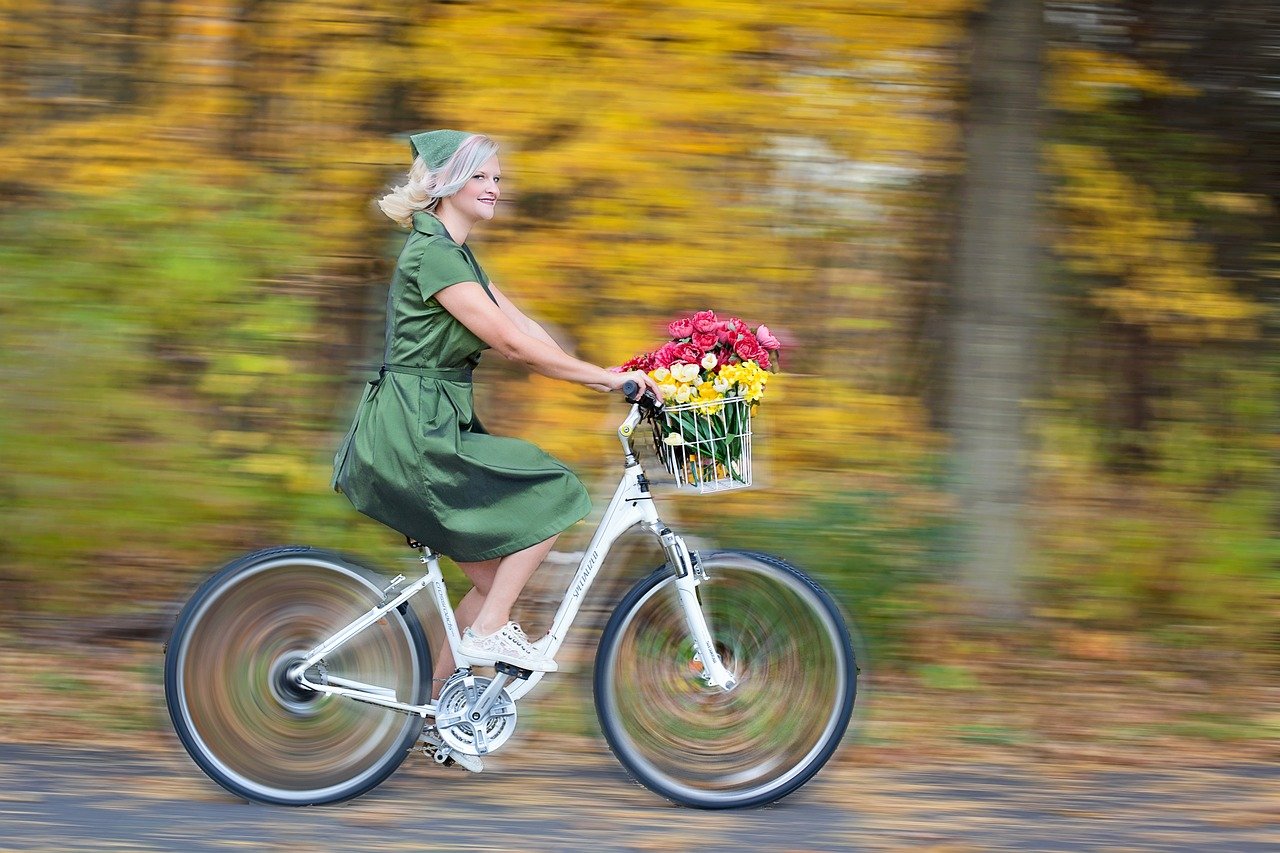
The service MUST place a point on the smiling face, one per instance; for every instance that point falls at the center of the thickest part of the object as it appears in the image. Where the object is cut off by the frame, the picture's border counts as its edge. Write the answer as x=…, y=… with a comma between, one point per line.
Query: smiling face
x=478, y=198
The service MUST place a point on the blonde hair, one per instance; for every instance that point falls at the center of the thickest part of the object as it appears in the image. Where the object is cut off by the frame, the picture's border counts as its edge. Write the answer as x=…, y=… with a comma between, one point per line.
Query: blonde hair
x=424, y=188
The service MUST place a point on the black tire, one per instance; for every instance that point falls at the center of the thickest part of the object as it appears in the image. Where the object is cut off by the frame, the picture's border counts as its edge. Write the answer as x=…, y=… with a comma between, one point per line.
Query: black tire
x=699, y=746
x=245, y=725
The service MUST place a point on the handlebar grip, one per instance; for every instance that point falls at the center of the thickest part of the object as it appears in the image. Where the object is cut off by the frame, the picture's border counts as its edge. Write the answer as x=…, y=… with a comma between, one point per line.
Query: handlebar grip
x=631, y=390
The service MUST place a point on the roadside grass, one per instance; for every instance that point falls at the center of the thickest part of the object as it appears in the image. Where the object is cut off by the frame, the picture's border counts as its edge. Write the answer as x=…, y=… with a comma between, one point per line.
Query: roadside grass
x=110, y=694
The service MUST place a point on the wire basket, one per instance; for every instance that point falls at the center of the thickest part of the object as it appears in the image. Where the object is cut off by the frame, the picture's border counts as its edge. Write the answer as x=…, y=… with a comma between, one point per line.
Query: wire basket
x=706, y=445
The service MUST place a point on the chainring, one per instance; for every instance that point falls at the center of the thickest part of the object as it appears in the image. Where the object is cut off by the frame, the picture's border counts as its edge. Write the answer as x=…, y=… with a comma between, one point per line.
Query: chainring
x=455, y=709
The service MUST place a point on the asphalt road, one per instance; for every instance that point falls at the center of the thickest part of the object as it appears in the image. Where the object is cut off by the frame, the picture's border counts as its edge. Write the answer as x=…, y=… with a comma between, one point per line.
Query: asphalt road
x=538, y=798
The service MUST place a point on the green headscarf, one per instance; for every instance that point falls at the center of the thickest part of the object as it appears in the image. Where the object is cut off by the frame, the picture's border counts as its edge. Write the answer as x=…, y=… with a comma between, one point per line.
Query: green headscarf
x=437, y=146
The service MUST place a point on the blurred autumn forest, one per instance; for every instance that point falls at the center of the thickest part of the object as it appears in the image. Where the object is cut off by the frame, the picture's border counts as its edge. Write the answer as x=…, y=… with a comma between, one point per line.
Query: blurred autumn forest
x=1023, y=257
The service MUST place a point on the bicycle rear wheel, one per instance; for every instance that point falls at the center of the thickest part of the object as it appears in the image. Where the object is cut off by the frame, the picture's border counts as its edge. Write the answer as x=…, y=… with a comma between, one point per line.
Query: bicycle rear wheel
x=244, y=722
x=782, y=636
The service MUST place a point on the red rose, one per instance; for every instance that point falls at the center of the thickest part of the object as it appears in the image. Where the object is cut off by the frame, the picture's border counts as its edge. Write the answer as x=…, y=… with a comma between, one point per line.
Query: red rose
x=665, y=355
x=767, y=339
x=749, y=349
x=737, y=329
x=724, y=333
x=705, y=321
x=641, y=362
x=687, y=353
x=681, y=328
x=705, y=341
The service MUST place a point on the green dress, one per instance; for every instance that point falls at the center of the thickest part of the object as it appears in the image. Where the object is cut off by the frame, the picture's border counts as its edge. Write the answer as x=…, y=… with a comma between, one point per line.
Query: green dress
x=416, y=458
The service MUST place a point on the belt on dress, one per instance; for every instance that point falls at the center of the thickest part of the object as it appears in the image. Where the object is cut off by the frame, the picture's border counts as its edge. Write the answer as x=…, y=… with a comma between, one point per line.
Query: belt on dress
x=449, y=374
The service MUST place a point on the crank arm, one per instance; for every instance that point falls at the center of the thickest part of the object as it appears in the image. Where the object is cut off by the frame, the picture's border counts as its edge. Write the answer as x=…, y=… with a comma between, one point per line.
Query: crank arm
x=444, y=721
x=478, y=704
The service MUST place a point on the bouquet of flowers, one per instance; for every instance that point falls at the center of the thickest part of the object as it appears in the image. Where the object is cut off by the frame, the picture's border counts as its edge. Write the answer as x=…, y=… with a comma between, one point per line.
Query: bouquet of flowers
x=712, y=374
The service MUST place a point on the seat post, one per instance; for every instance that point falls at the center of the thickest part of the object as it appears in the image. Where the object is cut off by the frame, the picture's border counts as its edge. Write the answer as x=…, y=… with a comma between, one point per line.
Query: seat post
x=426, y=552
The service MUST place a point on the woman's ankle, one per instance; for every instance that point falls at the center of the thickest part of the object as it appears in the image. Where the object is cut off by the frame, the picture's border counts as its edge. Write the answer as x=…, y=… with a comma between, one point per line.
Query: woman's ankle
x=483, y=630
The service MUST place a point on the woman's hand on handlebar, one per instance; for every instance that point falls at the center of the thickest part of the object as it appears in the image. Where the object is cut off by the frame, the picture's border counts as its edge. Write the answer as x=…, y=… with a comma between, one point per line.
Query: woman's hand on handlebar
x=642, y=379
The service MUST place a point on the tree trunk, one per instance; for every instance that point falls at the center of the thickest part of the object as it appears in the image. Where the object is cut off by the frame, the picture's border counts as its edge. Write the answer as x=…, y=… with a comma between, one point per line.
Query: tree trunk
x=995, y=301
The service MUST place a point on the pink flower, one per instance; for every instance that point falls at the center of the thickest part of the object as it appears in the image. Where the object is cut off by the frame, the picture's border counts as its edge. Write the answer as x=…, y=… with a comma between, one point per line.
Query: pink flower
x=687, y=353
x=643, y=362
x=704, y=336
x=665, y=354
x=705, y=321
x=705, y=341
x=737, y=329
x=748, y=348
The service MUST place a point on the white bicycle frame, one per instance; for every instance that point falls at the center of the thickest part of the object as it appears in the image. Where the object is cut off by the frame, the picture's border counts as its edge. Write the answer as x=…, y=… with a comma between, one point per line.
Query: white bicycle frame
x=632, y=505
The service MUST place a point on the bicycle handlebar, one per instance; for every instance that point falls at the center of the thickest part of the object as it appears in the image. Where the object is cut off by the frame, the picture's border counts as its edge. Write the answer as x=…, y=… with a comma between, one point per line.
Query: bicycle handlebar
x=647, y=400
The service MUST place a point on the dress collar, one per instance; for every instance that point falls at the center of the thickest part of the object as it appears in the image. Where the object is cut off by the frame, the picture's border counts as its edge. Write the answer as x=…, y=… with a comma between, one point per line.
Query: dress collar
x=426, y=223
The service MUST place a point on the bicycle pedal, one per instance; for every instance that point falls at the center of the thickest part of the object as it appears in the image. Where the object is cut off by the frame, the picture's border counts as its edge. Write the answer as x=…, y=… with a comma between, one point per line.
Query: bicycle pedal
x=452, y=758
x=436, y=751
x=512, y=670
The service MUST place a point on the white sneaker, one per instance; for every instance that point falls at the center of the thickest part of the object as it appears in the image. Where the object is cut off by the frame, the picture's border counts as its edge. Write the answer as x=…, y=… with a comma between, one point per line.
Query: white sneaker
x=432, y=741
x=542, y=644
x=508, y=644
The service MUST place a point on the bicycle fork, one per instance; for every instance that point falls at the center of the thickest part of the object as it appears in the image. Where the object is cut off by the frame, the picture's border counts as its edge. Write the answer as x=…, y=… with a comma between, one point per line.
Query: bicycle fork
x=689, y=574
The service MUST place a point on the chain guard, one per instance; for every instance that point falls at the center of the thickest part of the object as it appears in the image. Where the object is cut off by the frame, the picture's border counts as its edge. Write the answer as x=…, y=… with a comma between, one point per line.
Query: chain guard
x=454, y=710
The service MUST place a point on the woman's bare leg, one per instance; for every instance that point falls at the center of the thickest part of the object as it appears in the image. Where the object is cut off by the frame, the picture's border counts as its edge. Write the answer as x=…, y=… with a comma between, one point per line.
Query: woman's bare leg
x=514, y=571
x=481, y=575
x=487, y=605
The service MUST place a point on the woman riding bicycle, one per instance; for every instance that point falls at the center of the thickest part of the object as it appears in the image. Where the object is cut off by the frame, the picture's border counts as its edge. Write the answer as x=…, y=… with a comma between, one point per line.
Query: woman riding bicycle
x=417, y=459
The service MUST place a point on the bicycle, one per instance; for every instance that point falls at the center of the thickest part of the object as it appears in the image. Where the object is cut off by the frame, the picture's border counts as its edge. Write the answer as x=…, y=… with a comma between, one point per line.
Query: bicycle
x=722, y=680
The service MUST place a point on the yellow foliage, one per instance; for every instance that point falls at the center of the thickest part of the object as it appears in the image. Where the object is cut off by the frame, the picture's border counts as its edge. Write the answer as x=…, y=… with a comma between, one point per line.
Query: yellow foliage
x=294, y=474
x=1165, y=279
x=570, y=422
x=1244, y=204
x=239, y=440
x=1084, y=80
x=812, y=423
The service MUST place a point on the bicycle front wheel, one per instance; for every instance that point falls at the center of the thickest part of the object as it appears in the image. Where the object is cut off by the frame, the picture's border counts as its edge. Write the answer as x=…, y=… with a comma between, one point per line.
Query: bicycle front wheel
x=250, y=727
x=784, y=639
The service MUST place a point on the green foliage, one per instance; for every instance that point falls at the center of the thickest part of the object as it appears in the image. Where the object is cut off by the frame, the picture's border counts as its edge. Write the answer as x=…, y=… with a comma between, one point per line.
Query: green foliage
x=946, y=677
x=141, y=330
x=870, y=549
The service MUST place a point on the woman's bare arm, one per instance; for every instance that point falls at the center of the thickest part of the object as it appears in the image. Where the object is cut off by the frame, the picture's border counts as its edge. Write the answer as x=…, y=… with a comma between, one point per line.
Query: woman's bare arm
x=489, y=322
x=523, y=322
x=532, y=327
